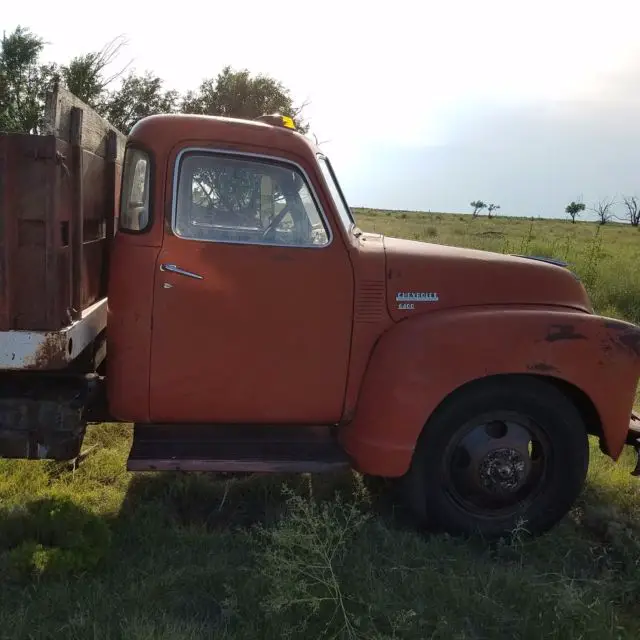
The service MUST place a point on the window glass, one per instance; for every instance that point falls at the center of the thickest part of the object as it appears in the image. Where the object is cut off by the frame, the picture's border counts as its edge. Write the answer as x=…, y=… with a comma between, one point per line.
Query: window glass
x=134, y=202
x=235, y=199
x=341, y=206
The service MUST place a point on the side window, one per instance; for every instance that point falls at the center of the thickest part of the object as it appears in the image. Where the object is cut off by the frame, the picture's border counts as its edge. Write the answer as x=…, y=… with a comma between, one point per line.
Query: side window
x=235, y=199
x=134, y=200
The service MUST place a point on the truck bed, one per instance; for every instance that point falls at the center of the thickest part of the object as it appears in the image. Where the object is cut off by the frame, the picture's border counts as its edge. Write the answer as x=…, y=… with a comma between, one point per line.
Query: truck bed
x=58, y=203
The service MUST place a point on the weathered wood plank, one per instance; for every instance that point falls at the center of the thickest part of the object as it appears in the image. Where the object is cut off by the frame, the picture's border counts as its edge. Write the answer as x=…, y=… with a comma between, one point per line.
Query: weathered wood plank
x=76, y=121
x=98, y=135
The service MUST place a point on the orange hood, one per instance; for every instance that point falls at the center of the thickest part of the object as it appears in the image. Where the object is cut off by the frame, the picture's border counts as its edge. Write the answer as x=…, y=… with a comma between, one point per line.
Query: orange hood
x=424, y=277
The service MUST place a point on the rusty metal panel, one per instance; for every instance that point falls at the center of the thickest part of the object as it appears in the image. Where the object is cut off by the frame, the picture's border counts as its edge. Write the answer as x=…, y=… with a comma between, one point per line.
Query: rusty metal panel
x=41, y=350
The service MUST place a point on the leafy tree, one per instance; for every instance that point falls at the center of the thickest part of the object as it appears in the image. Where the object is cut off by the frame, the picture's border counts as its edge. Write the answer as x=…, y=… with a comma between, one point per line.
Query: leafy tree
x=137, y=97
x=23, y=82
x=85, y=75
x=632, y=213
x=237, y=94
x=491, y=208
x=604, y=210
x=478, y=206
x=574, y=209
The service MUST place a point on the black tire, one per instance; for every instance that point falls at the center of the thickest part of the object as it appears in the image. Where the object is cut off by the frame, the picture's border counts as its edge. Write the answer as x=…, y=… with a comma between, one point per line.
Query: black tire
x=470, y=473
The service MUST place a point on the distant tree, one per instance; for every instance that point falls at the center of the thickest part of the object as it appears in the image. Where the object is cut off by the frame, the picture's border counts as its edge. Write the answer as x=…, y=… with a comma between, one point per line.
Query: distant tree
x=23, y=82
x=632, y=213
x=137, y=97
x=85, y=75
x=478, y=206
x=491, y=208
x=574, y=209
x=238, y=94
x=604, y=210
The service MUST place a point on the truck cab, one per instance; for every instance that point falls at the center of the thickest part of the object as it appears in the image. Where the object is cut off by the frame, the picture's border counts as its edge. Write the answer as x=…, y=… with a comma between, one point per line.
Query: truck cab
x=232, y=285
x=252, y=326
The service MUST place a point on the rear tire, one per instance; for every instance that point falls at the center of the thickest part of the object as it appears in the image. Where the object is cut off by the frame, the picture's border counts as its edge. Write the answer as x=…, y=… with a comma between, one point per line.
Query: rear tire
x=501, y=455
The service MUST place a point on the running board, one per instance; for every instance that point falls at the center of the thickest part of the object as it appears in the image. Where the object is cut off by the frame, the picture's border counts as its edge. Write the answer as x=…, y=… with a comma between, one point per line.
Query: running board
x=235, y=448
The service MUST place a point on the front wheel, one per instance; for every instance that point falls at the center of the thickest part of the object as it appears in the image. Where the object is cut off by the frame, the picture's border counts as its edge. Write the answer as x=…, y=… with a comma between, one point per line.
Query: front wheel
x=499, y=456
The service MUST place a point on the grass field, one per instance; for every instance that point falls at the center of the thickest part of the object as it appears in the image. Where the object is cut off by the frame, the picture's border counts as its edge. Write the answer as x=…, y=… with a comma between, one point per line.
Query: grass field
x=95, y=552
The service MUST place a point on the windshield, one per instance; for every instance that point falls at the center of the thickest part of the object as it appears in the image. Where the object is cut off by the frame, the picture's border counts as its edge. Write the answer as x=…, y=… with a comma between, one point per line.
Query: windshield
x=336, y=194
x=222, y=198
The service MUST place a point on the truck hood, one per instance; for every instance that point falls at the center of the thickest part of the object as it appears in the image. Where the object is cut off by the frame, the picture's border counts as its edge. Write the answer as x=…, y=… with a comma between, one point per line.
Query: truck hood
x=423, y=277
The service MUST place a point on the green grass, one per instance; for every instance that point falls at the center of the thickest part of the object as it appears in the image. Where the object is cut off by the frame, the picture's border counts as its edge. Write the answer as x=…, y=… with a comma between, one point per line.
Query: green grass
x=96, y=552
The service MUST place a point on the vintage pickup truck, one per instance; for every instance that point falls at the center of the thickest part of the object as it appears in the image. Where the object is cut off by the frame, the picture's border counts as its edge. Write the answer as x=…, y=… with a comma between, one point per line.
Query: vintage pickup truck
x=204, y=279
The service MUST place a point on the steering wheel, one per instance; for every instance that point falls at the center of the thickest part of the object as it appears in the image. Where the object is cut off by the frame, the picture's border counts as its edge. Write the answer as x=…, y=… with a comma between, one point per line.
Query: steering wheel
x=275, y=222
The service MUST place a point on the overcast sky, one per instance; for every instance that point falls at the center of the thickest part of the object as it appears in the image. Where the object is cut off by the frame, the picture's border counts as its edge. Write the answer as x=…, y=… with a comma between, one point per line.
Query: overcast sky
x=424, y=105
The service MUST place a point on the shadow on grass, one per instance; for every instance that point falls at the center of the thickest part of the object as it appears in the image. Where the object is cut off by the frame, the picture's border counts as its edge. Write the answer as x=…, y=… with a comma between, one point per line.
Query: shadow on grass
x=232, y=501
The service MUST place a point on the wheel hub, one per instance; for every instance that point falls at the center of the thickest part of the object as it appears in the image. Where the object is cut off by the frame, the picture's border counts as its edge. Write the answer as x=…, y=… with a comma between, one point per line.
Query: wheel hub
x=496, y=464
x=502, y=471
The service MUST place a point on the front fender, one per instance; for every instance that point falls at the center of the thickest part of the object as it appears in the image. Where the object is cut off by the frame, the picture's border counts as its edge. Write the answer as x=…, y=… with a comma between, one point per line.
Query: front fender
x=420, y=361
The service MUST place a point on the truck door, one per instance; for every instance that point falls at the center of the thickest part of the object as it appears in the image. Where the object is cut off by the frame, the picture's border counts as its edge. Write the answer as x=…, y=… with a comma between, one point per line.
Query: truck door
x=253, y=297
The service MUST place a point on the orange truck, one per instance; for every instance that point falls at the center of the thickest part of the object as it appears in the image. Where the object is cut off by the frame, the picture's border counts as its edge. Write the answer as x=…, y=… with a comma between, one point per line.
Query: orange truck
x=205, y=280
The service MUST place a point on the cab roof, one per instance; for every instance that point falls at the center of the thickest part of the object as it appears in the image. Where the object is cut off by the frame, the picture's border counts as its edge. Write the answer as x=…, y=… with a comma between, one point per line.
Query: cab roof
x=163, y=132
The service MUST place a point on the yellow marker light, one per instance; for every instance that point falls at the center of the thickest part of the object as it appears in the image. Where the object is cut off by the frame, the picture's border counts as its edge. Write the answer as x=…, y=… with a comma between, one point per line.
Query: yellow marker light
x=278, y=120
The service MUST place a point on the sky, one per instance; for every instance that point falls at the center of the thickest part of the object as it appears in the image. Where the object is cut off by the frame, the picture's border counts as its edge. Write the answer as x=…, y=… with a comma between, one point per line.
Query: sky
x=420, y=105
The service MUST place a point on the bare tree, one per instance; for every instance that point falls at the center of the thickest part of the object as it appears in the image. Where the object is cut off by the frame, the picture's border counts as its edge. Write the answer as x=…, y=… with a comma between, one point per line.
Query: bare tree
x=604, y=209
x=491, y=208
x=632, y=213
x=85, y=75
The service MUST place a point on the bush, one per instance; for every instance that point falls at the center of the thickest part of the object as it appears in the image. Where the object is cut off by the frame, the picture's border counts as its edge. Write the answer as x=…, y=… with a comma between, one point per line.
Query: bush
x=431, y=232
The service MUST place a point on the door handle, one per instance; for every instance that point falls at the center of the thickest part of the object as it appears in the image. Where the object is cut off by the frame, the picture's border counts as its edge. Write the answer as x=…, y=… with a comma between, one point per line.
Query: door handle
x=172, y=268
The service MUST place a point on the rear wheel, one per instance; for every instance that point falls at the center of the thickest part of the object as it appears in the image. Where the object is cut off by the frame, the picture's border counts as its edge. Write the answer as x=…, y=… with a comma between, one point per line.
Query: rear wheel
x=499, y=456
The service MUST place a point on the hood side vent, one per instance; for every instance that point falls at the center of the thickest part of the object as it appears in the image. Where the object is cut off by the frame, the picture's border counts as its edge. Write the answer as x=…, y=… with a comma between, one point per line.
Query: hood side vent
x=370, y=303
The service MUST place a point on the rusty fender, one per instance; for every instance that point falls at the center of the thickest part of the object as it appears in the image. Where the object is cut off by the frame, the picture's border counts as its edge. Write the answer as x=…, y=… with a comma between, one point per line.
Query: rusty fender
x=422, y=360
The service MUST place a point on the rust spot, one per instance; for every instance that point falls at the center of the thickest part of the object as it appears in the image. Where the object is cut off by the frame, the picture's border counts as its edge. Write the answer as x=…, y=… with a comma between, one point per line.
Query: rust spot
x=624, y=336
x=559, y=332
x=541, y=367
x=50, y=354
